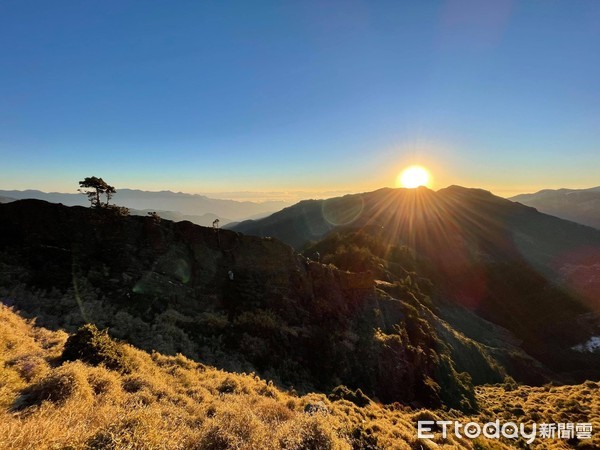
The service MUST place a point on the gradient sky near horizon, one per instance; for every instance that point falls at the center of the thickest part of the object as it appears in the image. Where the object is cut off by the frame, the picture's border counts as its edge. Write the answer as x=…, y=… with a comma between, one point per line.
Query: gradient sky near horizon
x=285, y=96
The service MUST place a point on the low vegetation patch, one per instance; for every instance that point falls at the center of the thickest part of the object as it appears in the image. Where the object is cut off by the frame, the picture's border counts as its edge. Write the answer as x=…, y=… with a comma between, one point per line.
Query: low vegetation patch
x=95, y=347
x=343, y=393
x=62, y=384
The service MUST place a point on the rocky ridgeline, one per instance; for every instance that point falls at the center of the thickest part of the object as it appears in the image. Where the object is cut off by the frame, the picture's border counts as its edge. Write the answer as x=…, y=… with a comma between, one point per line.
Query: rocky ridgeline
x=140, y=255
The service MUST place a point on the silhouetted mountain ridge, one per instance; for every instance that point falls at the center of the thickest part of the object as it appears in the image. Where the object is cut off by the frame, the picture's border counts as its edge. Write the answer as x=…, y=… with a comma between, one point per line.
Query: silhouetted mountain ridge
x=191, y=205
x=477, y=215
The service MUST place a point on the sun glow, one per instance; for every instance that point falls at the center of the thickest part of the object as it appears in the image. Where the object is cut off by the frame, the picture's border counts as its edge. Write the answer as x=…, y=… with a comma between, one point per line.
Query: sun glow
x=413, y=177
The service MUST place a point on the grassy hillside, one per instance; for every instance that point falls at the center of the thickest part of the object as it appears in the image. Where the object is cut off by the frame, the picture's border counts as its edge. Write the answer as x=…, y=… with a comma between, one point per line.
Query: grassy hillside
x=171, y=402
x=166, y=402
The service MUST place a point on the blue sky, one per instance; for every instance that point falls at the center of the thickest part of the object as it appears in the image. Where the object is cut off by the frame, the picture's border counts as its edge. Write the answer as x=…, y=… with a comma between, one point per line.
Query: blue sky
x=299, y=96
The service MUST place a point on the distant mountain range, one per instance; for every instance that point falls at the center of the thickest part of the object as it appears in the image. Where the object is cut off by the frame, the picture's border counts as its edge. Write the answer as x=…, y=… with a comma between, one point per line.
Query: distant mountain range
x=578, y=205
x=176, y=206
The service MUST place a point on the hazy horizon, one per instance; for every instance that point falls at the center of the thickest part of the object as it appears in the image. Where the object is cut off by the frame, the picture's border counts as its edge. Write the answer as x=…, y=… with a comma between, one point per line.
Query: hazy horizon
x=282, y=196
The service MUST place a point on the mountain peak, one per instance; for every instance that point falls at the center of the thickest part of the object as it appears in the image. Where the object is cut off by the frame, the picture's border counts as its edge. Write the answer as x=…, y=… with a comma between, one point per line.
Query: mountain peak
x=455, y=188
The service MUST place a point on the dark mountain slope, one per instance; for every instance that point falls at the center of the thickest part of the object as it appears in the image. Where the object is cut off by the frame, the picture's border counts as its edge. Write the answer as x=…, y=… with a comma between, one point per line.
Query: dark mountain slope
x=416, y=216
x=534, y=274
x=453, y=227
x=579, y=205
x=239, y=302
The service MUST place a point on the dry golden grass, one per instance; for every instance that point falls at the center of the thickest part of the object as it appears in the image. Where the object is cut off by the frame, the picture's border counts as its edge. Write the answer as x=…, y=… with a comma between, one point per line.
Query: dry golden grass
x=547, y=404
x=171, y=402
x=24, y=354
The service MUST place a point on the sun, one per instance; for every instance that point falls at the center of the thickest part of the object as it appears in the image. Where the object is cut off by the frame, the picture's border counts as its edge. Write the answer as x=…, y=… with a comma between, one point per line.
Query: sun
x=413, y=177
